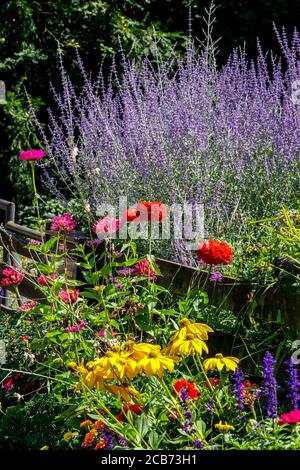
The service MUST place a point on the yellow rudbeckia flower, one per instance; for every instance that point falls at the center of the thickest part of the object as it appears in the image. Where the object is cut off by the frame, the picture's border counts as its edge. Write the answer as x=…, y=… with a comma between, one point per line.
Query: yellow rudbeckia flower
x=224, y=427
x=127, y=393
x=138, y=351
x=186, y=346
x=155, y=364
x=113, y=365
x=199, y=330
x=219, y=362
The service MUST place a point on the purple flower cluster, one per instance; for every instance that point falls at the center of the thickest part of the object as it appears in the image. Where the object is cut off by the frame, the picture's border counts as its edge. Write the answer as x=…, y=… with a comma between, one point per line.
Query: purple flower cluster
x=188, y=426
x=195, y=135
x=76, y=328
x=216, y=276
x=125, y=271
x=238, y=388
x=270, y=386
x=293, y=383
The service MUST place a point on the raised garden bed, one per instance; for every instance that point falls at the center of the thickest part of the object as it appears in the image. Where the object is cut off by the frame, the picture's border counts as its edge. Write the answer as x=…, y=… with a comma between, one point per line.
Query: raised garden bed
x=264, y=302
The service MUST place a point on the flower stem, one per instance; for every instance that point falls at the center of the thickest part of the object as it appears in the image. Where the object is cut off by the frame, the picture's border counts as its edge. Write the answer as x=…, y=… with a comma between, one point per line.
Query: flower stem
x=36, y=199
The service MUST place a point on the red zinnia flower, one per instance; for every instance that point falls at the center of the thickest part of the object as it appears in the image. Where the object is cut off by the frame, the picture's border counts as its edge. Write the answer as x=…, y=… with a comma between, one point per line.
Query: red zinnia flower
x=214, y=252
x=69, y=296
x=25, y=338
x=131, y=214
x=248, y=384
x=292, y=417
x=46, y=280
x=146, y=211
x=8, y=383
x=31, y=154
x=11, y=277
x=189, y=387
x=135, y=409
x=213, y=381
x=63, y=224
x=28, y=306
x=120, y=417
x=143, y=269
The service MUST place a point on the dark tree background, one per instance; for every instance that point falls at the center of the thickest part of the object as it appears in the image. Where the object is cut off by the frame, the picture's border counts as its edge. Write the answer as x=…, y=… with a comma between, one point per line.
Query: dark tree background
x=32, y=31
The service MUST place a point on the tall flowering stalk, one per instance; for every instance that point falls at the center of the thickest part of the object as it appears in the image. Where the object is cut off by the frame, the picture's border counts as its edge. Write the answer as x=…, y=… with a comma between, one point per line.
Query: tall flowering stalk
x=269, y=385
x=238, y=388
x=189, y=426
x=293, y=383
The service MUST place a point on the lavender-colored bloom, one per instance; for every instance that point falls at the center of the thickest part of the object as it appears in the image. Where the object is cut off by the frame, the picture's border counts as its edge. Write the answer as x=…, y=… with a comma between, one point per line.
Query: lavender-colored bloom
x=94, y=242
x=210, y=405
x=116, y=282
x=195, y=135
x=117, y=253
x=198, y=444
x=108, y=436
x=216, y=276
x=238, y=388
x=121, y=440
x=33, y=242
x=188, y=425
x=125, y=271
x=293, y=383
x=269, y=385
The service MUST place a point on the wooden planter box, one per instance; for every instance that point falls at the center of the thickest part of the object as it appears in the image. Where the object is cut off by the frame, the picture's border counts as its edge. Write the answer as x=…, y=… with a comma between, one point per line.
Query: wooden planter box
x=265, y=303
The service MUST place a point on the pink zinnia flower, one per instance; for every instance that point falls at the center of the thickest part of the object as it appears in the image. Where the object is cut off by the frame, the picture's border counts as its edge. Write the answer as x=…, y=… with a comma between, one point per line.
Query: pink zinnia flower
x=64, y=224
x=31, y=154
x=143, y=269
x=28, y=306
x=69, y=296
x=76, y=328
x=106, y=226
x=292, y=417
x=11, y=277
x=45, y=280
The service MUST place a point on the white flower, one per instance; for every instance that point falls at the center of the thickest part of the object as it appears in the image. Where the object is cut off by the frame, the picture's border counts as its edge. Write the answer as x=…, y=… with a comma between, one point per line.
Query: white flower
x=29, y=356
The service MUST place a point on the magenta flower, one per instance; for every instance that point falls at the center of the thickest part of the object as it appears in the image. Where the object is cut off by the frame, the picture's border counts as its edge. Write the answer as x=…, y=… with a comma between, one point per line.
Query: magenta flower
x=63, y=224
x=143, y=269
x=46, y=280
x=76, y=328
x=101, y=334
x=31, y=154
x=8, y=384
x=11, y=277
x=28, y=306
x=69, y=296
x=107, y=226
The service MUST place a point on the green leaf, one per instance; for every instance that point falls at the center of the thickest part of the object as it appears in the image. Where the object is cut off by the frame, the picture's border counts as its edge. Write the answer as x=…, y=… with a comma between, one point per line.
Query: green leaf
x=48, y=245
x=142, y=424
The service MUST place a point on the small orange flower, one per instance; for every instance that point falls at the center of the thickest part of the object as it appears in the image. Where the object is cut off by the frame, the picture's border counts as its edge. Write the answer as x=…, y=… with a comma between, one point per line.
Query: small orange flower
x=101, y=444
x=98, y=425
x=85, y=423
